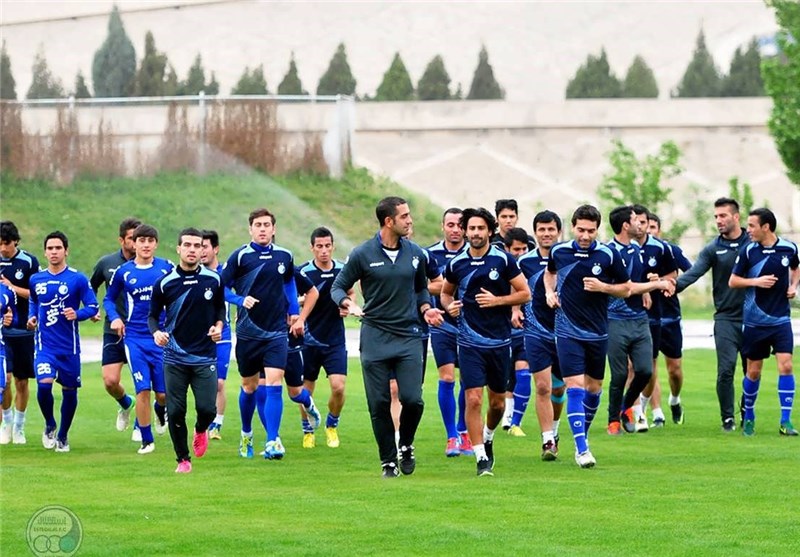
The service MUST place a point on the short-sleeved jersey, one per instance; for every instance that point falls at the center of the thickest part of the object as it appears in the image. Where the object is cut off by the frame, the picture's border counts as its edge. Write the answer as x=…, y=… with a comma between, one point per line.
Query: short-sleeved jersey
x=7, y=301
x=766, y=307
x=482, y=327
x=51, y=294
x=631, y=307
x=103, y=271
x=583, y=315
x=540, y=319
x=325, y=327
x=303, y=284
x=19, y=270
x=194, y=301
x=135, y=284
x=441, y=256
x=260, y=272
x=657, y=258
x=671, y=306
x=226, y=323
x=431, y=272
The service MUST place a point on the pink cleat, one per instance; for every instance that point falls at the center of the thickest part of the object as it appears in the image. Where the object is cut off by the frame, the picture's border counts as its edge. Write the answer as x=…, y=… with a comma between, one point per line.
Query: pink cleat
x=200, y=443
x=184, y=467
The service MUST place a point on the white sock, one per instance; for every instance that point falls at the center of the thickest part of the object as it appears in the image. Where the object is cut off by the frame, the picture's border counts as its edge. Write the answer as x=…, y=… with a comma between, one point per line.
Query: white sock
x=488, y=434
x=637, y=411
x=19, y=419
x=673, y=400
x=556, y=423
x=548, y=436
x=645, y=400
x=397, y=439
x=658, y=414
x=219, y=419
x=509, y=411
x=8, y=416
x=480, y=452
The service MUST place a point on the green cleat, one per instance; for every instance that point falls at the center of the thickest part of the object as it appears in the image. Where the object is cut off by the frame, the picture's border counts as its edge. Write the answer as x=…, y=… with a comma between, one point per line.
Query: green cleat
x=749, y=428
x=788, y=429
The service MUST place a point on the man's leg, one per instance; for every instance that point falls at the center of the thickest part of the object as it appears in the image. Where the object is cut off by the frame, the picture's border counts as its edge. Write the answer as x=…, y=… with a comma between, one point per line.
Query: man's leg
x=408, y=369
x=641, y=356
x=375, y=364
x=223, y=364
x=728, y=341
x=618, y=364
x=203, y=380
x=249, y=360
x=786, y=389
x=177, y=380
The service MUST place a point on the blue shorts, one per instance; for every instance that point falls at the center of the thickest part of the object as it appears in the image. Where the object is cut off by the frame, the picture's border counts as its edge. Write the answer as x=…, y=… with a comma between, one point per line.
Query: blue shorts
x=579, y=357
x=2, y=369
x=757, y=341
x=541, y=353
x=518, y=349
x=223, y=359
x=146, y=360
x=332, y=358
x=655, y=334
x=113, y=350
x=485, y=367
x=671, y=344
x=63, y=368
x=293, y=374
x=445, y=347
x=19, y=356
x=252, y=356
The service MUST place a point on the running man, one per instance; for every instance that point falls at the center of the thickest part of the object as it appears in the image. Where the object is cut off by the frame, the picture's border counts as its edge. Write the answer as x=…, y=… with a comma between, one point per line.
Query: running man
x=506, y=211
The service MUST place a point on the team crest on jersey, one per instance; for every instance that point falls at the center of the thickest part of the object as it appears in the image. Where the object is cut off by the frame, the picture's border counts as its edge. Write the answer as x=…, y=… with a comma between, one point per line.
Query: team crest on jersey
x=19, y=274
x=208, y=294
x=415, y=261
x=494, y=275
x=62, y=289
x=651, y=262
x=133, y=280
x=785, y=261
x=281, y=268
x=597, y=269
x=41, y=289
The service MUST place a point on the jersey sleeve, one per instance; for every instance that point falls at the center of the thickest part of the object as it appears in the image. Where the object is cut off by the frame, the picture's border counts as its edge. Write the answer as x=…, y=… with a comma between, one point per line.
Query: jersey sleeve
x=113, y=291
x=347, y=277
x=33, y=300
x=156, y=306
x=668, y=263
x=88, y=299
x=794, y=261
x=304, y=284
x=618, y=272
x=512, y=269
x=742, y=263
x=697, y=270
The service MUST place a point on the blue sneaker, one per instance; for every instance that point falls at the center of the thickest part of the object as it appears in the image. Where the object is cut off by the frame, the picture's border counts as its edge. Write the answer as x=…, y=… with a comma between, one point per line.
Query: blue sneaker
x=246, y=445
x=274, y=450
x=314, y=417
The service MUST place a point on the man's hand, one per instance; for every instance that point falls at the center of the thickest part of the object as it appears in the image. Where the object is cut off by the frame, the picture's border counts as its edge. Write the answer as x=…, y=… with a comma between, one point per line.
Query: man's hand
x=118, y=327
x=454, y=309
x=355, y=310
x=592, y=284
x=517, y=317
x=161, y=338
x=214, y=332
x=249, y=302
x=552, y=299
x=433, y=316
x=485, y=299
x=297, y=326
x=31, y=325
x=767, y=281
x=69, y=314
x=8, y=317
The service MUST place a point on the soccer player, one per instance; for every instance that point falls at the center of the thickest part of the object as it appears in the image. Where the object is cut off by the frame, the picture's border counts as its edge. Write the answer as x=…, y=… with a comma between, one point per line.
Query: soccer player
x=506, y=211
x=769, y=269
x=539, y=329
x=719, y=256
x=210, y=259
x=16, y=268
x=487, y=282
x=262, y=276
x=391, y=269
x=195, y=307
x=56, y=295
x=580, y=277
x=444, y=343
x=114, y=356
x=134, y=280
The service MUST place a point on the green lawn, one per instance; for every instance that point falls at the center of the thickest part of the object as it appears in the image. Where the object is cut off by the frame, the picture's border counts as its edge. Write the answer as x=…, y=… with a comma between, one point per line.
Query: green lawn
x=684, y=490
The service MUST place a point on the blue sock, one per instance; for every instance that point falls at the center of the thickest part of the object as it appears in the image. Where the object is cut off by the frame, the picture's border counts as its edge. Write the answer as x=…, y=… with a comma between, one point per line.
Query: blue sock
x=461, y=425
x=69, y=403
x=147, y=434
x=332, y=421
x=136, y=423
x=125, y=401
x=306, y=426
x=303, y=398
x=447, y=406
x=750, y=391
x=577, y=417
x=786, y=396
x=591, y=401
x=522, y=395
x=273, y=410
x=261, y=403
x=161, y=412
x=44, y=395
x=247, y=406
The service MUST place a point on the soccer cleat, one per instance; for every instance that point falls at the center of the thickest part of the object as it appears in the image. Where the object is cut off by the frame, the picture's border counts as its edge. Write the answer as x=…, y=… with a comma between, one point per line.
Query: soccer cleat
x=489, y=447
x=49, y=438
x=614, y=428
x=215, y=431
x=5, y=432
x=389, y=470
x=452, y=448
x=332, y=437
x=313, y=415
x=465, y=445
x=147, y=448
x=627, y=421
x=788, y=429
x=18, y=436
x=549, y=451
x=484, y=467
x=246, y=446
x=161, y=429
x=62, y=446
x=658, y=422
x=274, y=450
x=556, y=440
x=506, y=422
x=124, y=417
x=516, y=431
x=407, y=460
x=749, y=428
x=200, y=443
x=184, y=467
x=585, y=459
x=677, y=413
x=728, y=425
x=136, y=435
x=641, y=424
x=309, y=441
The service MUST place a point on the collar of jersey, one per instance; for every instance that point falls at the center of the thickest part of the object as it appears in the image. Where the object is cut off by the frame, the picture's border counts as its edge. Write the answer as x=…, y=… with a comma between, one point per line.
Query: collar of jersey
x=262, y=249
x=578, y=248
x=380, y=243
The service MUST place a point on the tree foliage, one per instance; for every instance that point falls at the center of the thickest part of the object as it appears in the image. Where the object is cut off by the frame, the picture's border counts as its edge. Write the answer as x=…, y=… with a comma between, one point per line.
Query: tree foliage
x=594, y=80
x=396, y=84
x=151, y=79
x=195, y=80
x=251, y=83
x=8, y=87
x=44, y=84
x=434, y=85
x=484, y=85
x=114, y=66
x=212, y=87
x=639, y=83
x=701, y=78
x=80, y=90
x=337, y=79
x=742, y=193
x=291, y=84
x=744, y=78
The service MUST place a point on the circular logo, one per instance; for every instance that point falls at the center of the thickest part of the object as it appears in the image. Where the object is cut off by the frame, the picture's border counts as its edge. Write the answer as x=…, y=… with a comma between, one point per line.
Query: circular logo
x=208, y=294
x=281, y=268
x=63, y=290
x=596, y=269
x=54, y=530
x=19, y=274
x=494, y=275
x=785, y=261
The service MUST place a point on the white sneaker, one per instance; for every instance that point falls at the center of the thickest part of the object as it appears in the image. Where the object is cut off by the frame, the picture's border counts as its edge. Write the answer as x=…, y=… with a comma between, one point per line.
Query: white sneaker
x=641, y=424
x=49, y=439
x=124, y=417
x=5, y=433
x=313, y=415
x=147, y=449
x=506, y=421
x=585, y=459
x=62, y=447
x=136, y=435
x=162, y=429
x=18, y=436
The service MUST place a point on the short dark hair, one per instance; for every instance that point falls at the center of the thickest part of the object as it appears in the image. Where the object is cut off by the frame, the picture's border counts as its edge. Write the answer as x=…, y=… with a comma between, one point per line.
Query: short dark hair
x=587, y=212
x=723, y=201
x=451, y=211
x=619, y=216
x=545, y=217
x=145, y=231
x=321, y=232
x=480, y=212
x=639, y=209
x=56, y=235
x=191, y=231
x=129, y=223
x=212, y=237
x=387, y=208
x=258, y=213
x=518, y=234
x=765, y=216
x=8, y=231
x=510, y=204
x=656, y=218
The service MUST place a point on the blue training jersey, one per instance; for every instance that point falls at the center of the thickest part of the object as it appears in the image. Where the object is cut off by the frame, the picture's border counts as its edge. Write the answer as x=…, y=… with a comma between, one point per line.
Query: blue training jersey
x=483, y=327
x=304, y=285
x=135, y=282
x=540, y=319
x=583, y=315
x=7, y=301
x=766, y=307
x=671, y=307
x=325, y=327
x=226, y=323
x=18, y=270
x=631, y=307
x=658, y=259
x=442, y=256
x=51, y=294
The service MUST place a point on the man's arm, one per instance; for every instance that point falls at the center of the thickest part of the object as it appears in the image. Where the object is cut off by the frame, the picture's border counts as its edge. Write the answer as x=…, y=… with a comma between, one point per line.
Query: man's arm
x=347, y=277
x=618, y=290
x=704, y=262
x=89, y=300
x=550, y=281
x=520, y=293
x=98, y=278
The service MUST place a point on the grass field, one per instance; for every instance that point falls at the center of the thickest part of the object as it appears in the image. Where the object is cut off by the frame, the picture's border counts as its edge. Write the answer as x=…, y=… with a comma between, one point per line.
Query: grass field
x=684, y=490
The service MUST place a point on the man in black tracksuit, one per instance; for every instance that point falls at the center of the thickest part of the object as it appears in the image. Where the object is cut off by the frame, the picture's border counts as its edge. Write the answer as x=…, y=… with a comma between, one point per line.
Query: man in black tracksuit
x=395, y=288
x=719, y=256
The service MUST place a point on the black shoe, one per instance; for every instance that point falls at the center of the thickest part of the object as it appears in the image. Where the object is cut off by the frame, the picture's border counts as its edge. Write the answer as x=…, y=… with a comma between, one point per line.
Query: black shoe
x=728, y=425
x=488, y=446
x=390, y=470
x=628, y=421
x=407, y=460
x=484, y=467
x=549, y=451
x=741, y=411
x=677, y=413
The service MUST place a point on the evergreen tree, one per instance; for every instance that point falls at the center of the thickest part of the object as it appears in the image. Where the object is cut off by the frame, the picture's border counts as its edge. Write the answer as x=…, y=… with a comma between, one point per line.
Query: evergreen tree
x=640, y=83
x=396, y=84
x=8, y=87
x=44, y=84
x=744, y=78
x=114, y=66
x=196, y=80
x=459, y=94
x=594, y=80
x=434, y=85
x=151, y=79
x=212, y=87
x=702, y=78
x=484, y=85
x=251, y=83
x=291, y=84
x=81, y=91
x=171, y=85
x=337, y=79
